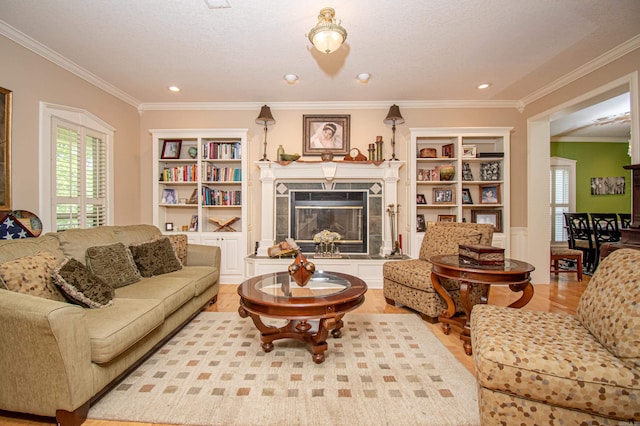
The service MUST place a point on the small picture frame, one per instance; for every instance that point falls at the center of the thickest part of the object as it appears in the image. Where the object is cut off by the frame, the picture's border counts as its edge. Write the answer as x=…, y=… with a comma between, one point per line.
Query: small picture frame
x=420, y=199
x=466, y=196
x=489, y=194
x=443, y=196
x=493, y=217
x=171, y=149
x=447, y=218
x=169, y=196
x=447, y=150
x=490, y=171
x=421, y=225
x=325, y=133
x=467, y=174
x=193, y=226
x=168, y=226
x=469, y=151
x=193, y=199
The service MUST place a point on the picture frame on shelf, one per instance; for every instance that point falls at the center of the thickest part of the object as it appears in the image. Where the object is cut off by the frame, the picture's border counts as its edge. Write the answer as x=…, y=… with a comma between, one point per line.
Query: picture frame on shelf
x=193, y=226
x=443, y=196
x=467, y=174
x=493, y=217
x=490, y=170
x=168, y=226
x=171, y=149
x=489, y=194
x=466, y=196
x=447, y=218
x=469, y=151
x=326, y=133
x=420, y=199
x=169, y=196
x=447, y=150
x=421, y=225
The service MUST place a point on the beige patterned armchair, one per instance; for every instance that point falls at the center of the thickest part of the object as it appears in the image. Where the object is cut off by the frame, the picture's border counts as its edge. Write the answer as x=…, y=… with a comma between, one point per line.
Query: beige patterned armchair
x=536, y=368
x=408, y=282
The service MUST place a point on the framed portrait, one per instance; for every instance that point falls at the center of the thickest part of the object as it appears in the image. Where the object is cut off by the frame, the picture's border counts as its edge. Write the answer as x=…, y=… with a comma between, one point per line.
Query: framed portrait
x=421, y=225
x=5, y=148
x=169, y=196
x=193, y=226
x=493, y=217
x=322, y=133
x=171, y=149
x=489, y=194
x=447, y=218
x=490, y=171
x=420, y=199
x=447, y=150
x=443, y=196
x=168, y=226
x=466, y=196
x=469, y=151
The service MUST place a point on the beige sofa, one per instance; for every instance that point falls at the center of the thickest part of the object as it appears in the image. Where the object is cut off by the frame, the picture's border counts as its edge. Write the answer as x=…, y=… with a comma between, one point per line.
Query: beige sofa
x=539, y=368
x=57, y=357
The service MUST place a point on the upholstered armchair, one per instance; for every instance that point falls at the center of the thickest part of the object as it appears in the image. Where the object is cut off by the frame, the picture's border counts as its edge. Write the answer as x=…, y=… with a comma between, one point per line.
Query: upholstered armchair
x=408, y=282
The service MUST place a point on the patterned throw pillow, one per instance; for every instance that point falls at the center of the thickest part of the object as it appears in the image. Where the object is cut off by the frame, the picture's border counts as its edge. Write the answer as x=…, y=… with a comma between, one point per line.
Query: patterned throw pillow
x=155, y=257
x=113, y=263
x=31, y=275
x=81, y=286
x=179, y=243
x=441, y=240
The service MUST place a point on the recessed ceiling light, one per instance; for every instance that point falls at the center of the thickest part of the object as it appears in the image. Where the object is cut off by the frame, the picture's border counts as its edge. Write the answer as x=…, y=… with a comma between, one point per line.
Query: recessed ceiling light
x=484, y=86
x=363, y=77
x=217, y=4
x=290, y=78
x=174, y=88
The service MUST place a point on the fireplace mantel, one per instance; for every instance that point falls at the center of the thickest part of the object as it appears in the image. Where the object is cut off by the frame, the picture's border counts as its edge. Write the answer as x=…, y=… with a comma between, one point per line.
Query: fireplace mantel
x=386, y=173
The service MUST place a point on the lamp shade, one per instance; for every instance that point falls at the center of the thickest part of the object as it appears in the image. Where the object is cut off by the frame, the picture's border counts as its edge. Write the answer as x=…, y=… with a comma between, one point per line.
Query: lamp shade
x=394, y=116
x=265, y=116
x=327, y=36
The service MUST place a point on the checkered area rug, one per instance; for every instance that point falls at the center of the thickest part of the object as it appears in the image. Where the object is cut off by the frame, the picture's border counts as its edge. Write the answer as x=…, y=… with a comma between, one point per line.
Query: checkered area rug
x=386, y=369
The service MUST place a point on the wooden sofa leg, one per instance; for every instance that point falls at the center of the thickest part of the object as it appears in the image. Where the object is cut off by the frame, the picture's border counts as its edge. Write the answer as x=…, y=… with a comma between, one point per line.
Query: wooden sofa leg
x=427, y=318
x=73, y=418
x=390, y=301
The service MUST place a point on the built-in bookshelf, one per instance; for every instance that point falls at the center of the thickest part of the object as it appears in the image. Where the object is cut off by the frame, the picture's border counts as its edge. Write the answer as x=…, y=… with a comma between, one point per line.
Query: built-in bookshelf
x=199, y=190
x=459, y=175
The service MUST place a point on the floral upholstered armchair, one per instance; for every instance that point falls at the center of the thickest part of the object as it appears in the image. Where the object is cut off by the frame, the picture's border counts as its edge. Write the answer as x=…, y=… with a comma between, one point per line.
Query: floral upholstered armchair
x=408, y=282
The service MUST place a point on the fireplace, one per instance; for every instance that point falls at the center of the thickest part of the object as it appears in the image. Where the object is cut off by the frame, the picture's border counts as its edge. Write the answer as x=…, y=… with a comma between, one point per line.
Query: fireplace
x=344, y=212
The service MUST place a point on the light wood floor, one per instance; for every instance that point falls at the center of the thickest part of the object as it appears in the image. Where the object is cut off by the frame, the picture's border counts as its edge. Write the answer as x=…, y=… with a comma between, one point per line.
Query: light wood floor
x=561, y=296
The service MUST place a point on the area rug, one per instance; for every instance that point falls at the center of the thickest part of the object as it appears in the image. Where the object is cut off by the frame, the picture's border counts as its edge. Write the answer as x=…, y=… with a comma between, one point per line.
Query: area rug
x=386, y=369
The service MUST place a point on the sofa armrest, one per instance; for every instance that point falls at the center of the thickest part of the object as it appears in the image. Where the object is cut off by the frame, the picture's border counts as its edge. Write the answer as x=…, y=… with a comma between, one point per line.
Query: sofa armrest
x=45, y=355
x=201, y=255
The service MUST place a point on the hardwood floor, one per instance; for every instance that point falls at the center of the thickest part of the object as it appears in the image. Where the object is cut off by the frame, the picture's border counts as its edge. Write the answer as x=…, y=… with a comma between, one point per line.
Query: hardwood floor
x=561, y=295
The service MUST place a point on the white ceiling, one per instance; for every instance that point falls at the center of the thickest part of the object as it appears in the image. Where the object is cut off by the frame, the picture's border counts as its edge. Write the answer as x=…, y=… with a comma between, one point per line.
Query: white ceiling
x=415, y=50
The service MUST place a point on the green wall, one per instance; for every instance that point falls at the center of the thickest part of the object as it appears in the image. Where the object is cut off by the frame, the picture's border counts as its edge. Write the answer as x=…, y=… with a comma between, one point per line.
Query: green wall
x=597, y=159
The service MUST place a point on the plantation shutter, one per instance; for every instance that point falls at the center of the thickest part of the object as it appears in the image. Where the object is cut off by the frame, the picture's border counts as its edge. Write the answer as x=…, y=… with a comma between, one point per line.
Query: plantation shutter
x=560, y=197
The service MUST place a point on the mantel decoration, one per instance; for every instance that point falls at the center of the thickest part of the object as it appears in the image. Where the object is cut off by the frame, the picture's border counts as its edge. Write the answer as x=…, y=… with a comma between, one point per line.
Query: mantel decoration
x=301, y=270
x=327, y=36
x=266, y=119
x=393, y=117
x=326, y=244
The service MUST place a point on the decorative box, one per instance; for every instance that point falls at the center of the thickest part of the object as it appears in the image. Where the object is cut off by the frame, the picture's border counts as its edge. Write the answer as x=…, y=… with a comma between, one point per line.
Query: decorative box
x=481, y=255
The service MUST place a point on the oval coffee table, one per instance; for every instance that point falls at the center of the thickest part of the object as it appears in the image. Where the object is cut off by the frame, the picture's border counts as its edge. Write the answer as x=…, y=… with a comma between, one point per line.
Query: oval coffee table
x=312, y=311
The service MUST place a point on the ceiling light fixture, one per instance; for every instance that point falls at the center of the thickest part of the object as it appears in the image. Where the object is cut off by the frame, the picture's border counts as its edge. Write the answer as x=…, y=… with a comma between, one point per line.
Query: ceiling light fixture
x=174, y=88
x=291, y=78
x=484, y=86
x=363, y=77
x=327, y=36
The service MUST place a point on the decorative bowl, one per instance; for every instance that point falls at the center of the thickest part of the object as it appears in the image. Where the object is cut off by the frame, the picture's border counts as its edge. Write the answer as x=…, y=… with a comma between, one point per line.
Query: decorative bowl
x=289, y=157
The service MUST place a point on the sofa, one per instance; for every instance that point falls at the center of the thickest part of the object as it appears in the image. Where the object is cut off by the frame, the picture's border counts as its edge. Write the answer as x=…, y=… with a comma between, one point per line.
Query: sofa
x=408, y=282
x=537, y=368
x=61, y=350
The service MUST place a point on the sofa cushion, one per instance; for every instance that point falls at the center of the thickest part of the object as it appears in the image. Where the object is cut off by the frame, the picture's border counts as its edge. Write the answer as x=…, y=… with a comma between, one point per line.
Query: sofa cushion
x=551, y=358
x=179, y=243
x=75, y=242
x=136, y=234
x=81, y=286
x=14, y=249
x=113, y=263
x=440, y=240
x=203, y=277
x=155, y=257
x=115, y=329
x=31, y=275
x=610, y=305
x=173, y=292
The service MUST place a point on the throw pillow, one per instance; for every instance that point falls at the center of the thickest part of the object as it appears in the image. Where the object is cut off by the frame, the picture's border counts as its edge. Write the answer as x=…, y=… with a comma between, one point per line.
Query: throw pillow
x=31, y=275
x=155, y=257
x=113, y=263
x=179, y=243
x=81, y=286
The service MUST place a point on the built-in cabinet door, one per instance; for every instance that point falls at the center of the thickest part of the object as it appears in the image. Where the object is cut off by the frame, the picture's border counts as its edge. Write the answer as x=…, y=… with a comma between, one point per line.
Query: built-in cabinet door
x=230, y=247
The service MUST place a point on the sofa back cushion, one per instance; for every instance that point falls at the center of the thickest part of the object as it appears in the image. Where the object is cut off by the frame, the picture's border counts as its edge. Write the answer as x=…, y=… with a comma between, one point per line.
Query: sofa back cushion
x=15, y=249
x=610, y=305
x=136, y=234
x=444, y=237
x=75, y=242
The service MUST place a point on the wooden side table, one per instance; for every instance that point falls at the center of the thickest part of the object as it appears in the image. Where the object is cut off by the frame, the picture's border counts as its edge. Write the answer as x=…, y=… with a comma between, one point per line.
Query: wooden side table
x=514, y=273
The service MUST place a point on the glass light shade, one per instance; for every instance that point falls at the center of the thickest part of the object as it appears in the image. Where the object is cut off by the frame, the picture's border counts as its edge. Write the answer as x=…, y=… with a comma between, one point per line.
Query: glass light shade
x=327, y=36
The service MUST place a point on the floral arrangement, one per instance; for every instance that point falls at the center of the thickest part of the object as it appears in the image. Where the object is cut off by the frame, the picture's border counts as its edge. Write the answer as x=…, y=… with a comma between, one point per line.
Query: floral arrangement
x=326, y=236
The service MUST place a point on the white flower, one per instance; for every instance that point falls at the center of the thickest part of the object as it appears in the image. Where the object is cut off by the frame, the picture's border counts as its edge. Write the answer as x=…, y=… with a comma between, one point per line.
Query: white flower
x=326, y=236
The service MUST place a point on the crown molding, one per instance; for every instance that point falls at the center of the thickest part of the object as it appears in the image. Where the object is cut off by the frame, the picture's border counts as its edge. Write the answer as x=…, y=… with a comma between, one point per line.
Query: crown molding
x=589, y=139
x=596, y=63
x=40, y=49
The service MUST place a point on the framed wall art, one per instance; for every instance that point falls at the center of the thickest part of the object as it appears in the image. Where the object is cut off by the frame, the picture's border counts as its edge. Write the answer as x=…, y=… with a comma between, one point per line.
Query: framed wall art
x=493, y=217
x=326, y=133
x=5, y=148
x=443, y=196
x=171, y=149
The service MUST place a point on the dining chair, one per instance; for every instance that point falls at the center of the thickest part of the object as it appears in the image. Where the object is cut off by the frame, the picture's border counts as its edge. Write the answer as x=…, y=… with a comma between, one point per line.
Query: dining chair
x=605, y=230
x=581, y=237
x=625, y=220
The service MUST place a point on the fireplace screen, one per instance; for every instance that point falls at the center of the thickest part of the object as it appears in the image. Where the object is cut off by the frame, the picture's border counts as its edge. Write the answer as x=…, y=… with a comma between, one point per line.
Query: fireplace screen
x=336, y=211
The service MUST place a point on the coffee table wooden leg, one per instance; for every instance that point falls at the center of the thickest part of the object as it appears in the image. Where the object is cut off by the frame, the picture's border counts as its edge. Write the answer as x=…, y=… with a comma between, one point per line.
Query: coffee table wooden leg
x=527, y=293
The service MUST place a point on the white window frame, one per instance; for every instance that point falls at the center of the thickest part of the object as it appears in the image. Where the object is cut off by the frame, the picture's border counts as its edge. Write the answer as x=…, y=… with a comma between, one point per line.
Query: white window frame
x=570, y=165
x=47, y=179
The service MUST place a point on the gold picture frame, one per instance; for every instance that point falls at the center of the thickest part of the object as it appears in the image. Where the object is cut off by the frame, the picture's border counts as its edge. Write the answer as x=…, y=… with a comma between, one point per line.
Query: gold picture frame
x=316, y=141
x=6, y=98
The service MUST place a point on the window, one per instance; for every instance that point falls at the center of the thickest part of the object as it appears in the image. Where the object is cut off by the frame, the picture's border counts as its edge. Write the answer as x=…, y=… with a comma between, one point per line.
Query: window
x=562, y=181
x=78, y=184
